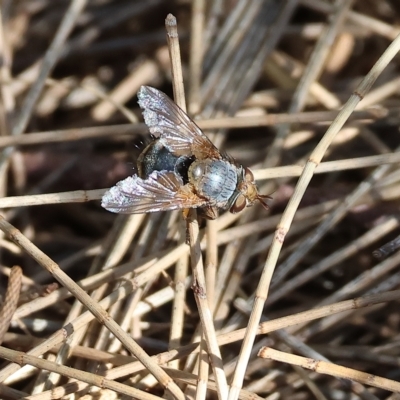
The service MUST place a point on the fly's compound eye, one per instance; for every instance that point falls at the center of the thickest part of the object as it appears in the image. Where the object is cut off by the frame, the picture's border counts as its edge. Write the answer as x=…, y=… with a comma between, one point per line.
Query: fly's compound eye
x=248, y=175
x=239, y=204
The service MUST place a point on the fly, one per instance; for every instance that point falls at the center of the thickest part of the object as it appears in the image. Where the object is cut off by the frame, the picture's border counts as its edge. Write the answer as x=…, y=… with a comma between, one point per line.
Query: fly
x=180, y=168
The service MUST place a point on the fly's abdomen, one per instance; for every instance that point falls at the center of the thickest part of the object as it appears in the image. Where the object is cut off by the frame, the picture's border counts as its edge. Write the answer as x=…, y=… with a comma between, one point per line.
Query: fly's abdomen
x=214, y=179
x=155, y=157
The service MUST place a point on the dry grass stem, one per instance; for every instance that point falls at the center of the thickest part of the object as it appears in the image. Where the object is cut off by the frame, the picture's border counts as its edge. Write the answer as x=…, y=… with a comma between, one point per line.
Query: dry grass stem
x=98, y=312
x=10, y=299
x=283, y=226
x=199, y=284
x=324, y=367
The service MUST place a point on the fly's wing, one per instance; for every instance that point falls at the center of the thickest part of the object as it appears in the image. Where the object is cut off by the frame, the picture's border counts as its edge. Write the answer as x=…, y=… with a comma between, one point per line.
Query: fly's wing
x=161, y=191
x=176, y=130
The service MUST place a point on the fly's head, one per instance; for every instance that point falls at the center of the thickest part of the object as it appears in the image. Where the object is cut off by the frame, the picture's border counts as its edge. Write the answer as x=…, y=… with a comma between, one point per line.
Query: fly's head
x=248, y=193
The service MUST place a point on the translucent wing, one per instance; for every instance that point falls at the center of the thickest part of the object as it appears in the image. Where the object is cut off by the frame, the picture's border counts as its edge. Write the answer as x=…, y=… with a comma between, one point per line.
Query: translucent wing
x=176, y=130
x=161, y=191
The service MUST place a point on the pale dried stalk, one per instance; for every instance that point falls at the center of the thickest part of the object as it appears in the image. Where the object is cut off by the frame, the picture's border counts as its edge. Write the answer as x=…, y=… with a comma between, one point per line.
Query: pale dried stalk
x=177, y=82
x=329, y=321
x=201, y=363
x=77, y=196
x=10, y=299
x=285, y=71
x=75, y=134
x=89, y=283
x=230, y=275
x=191, y=379
x=51, y=57
x=127, y=229
x=381, y=93
x=178, y=313
x=81, y=196
x=329, y=166
x=193, y=229
x=299, y=347
x=235, y=30
x=247, y=250
x=196, y=55
x=7, y=102
x=114, y=104
x=324, y=367
x=115, y=246
x=144, y=74
x=154, y=225
x=237, y=335
x=109, y=245
x=211, y=260
x=365, y=281
x=94, y=308
x=48, y=380
x=335, y=216
x=333, y=259
x=287, y=218
x=94, y=379
x=309, y=76
x=360, y=192
x=320, y=54
x=233, y=20
x=264, y=328
x=179, y=299
x=368, y=23
x=73, y=386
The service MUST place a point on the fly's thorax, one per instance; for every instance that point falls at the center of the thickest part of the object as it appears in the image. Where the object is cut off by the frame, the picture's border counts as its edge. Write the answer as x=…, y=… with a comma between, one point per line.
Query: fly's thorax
x=216, y=180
